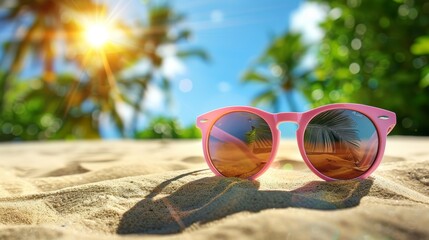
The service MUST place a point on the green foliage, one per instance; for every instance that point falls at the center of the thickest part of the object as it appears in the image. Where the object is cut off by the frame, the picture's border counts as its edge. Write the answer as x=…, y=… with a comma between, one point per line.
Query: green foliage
x=421, y=47
x=164, y=127
x=375, y=52
x=36, y=111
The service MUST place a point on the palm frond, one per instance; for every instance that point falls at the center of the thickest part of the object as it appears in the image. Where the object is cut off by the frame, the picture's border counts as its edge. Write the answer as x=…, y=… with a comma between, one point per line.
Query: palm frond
x=254, y=76
x=268, y=96
x=282, y=58
x=332, y=131
x=194, y=52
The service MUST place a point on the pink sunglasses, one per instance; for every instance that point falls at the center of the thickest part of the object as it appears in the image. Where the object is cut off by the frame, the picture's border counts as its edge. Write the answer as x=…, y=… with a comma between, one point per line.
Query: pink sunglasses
x=337, y=141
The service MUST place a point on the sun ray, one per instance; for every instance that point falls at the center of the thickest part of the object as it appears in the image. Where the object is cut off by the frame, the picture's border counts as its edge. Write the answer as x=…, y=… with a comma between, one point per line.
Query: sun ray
x=100, y=38
x=110, y=76
x=116, y=11
x=75, y=86
x=175, y=214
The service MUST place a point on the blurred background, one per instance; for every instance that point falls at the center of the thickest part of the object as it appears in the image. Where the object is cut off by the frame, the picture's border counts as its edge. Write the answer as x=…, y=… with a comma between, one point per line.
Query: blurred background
x=74, y=69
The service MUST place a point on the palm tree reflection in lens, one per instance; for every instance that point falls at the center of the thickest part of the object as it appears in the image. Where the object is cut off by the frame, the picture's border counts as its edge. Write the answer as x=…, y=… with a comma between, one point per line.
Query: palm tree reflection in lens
x=341, y=144
x=240, y=144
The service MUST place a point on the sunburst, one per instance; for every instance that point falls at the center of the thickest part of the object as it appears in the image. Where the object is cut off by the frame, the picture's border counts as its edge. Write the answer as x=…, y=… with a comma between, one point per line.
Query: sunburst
x=97, y=34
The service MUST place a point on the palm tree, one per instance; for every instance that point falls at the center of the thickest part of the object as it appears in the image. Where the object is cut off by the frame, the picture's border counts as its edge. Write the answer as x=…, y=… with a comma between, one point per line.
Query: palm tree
x=157, y=34
x=38, y=26
x=278, y=69
x=259, y=137
x=38, y=35
x=99, y=82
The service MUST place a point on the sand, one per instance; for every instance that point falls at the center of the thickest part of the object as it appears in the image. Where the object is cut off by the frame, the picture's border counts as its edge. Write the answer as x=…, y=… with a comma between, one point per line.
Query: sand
x=164, y=190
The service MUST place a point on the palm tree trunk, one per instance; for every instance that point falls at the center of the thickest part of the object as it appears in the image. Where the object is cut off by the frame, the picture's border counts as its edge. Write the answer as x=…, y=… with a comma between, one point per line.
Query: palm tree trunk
x=17, y=59
x=138, y=105
x=137, y=110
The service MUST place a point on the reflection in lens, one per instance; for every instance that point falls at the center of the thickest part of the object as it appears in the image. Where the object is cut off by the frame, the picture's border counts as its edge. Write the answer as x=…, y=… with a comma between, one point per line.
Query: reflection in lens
x=240, y=144
x=341, y=144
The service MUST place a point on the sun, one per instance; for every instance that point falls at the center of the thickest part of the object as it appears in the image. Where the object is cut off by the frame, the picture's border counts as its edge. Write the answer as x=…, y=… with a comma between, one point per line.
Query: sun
x=97, y=34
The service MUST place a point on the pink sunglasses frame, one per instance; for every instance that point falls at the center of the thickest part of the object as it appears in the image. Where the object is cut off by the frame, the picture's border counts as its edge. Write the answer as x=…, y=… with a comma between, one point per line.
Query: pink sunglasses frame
x=383, y=120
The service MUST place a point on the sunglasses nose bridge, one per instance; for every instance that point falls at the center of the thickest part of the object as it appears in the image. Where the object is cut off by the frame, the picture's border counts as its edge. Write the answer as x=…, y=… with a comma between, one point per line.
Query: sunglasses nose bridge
x=288, y=117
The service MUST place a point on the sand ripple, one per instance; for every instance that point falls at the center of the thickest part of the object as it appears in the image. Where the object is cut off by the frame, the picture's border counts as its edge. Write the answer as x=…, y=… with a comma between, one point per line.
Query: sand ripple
x=127, y=189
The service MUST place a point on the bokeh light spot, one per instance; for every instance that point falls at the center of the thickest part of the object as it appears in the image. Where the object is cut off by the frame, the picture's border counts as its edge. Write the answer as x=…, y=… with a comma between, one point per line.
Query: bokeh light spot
x=354, y=68
x=360, y=29
x=403, y=10
x=335, y=13
x=17, y=130
x=356, y=44
x=373, y=83
x=348, y=88
x=317, y=94
x=384, y=22
x=334, y=95
x=343, y=51
x=407, y=122
x=276, y=70
x=185, y=85
x=32, y=130
x=224, y=87
x=216, y=16
x=7, y=128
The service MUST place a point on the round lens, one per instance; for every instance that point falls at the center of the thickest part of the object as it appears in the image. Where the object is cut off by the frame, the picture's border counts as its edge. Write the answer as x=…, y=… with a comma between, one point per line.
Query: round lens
x=240, y=144
x=341, y=144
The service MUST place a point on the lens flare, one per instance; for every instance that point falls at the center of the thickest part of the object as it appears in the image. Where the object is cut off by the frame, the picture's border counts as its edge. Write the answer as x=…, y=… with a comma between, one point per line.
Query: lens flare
x=97, y=34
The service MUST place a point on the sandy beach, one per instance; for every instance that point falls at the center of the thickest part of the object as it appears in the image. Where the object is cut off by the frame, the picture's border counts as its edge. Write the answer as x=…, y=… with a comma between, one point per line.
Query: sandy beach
x=164, y=190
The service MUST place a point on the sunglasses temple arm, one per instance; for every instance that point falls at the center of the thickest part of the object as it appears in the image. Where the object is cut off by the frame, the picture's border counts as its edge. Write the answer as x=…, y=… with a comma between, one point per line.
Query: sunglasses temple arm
x=391, y=121
x=390, y=128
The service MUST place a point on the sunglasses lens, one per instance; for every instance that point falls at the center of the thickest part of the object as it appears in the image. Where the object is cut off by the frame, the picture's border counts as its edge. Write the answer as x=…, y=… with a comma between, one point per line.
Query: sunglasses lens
x=341, y=144
x=240, y=144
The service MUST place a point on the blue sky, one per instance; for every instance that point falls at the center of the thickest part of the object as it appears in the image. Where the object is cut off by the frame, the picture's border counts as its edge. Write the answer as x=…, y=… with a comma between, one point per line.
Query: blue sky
x=234, y=33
